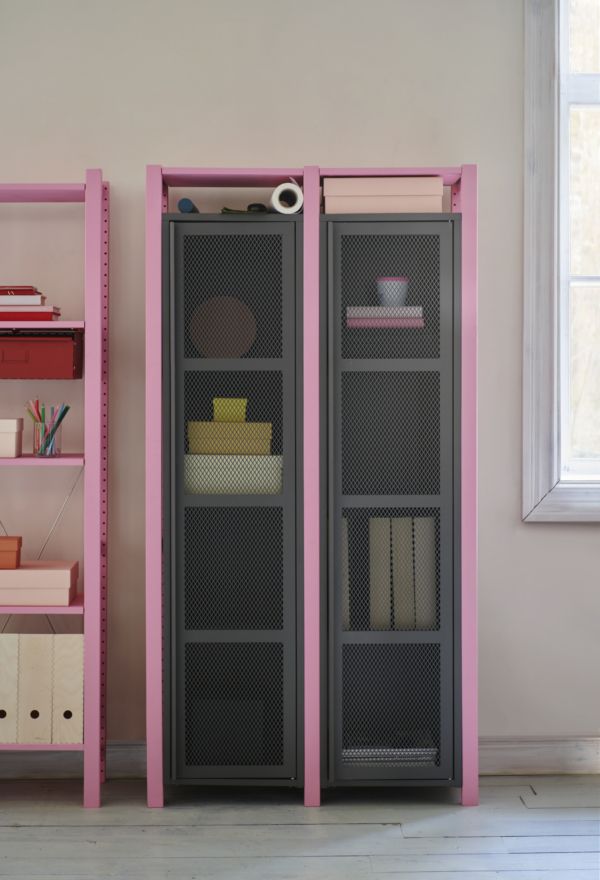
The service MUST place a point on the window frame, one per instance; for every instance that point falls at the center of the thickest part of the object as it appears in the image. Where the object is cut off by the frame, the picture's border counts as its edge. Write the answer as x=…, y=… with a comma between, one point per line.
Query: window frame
x=547, y=495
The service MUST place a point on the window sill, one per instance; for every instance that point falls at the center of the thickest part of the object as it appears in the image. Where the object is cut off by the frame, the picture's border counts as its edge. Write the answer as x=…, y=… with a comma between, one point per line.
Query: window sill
x=568, y=502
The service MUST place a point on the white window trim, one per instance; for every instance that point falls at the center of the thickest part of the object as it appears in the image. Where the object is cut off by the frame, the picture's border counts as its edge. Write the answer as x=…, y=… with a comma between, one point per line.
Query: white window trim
x=546, y=497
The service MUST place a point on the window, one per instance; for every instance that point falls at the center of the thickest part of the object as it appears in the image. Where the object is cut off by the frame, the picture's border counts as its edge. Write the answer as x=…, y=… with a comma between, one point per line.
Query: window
x=562, y=261
x=579, y=225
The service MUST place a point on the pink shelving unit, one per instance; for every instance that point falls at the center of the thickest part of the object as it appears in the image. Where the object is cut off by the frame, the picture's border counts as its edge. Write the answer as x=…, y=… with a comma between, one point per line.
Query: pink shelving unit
x=463, y=183
x=92, y=606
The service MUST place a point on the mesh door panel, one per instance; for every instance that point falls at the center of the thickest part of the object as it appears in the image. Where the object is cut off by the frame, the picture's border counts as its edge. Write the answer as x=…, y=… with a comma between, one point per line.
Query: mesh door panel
x=391, y=705
x=390, y=569
x=227, y=583
x=233, y=292
x=234, y=704
x=390, y=433
x=363, y=259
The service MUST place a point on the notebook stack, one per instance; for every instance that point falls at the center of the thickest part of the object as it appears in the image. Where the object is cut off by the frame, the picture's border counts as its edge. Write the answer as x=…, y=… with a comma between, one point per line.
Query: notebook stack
x=230, y=455
x=386, y=317
x=25, y=303
x=383, y=195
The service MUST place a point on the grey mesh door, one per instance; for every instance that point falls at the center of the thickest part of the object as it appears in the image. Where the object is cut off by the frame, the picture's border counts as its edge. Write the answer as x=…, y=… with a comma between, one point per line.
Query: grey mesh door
x=391, y=501
x=232, y=633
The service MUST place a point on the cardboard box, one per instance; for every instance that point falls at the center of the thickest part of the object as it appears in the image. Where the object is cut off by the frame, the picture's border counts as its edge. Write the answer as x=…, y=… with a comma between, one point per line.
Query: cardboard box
x=229, y=438
x=10, y=552
x=11, y=438
x=39, y=583
x=383, y=195
x=383, y=186
x=383, y=205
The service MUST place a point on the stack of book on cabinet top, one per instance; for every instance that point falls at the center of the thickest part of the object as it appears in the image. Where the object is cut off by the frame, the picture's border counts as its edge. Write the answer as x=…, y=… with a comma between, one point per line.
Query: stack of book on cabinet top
x=25, y=303
x=385, y=317
x=230, y=455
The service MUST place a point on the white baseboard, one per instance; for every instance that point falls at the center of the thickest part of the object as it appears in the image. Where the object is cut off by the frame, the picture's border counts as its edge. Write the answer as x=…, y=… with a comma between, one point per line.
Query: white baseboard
x=534, y=755
x=498, y=756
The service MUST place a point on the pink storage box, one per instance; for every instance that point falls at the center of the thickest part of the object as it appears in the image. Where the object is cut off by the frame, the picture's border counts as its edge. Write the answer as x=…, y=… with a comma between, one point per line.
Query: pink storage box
x=39, y=583
x=383, y=205
x=383, y=186
x=11, y=438
x=383, y=195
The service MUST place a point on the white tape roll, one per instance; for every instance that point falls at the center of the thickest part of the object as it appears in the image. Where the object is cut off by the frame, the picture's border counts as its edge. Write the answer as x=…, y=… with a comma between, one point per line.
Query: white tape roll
x=287, y=198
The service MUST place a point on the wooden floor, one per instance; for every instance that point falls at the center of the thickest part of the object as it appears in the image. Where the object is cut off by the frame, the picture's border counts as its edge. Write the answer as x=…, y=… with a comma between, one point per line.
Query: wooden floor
x=525, y=828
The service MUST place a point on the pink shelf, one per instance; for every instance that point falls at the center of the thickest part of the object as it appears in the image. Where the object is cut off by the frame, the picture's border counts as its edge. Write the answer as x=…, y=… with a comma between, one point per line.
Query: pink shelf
x=75, y=607
x=229, y=176
x=42, y=192
x=42, y=325
x=41, y=747
x=67, y=460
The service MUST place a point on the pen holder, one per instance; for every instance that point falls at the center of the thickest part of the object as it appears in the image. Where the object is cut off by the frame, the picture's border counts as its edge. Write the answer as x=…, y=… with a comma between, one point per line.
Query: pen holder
x=42, y=445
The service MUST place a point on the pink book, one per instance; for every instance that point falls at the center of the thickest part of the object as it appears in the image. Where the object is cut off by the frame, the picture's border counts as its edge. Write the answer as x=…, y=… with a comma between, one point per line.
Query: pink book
x=386, y=323
x=383, y=186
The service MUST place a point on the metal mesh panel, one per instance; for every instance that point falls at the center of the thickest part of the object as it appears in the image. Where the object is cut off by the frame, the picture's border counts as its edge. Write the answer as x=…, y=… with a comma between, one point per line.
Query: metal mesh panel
x=363, y=259
x=227, y=584
x=390, y=433
x=390, y=569
x=234, y=704
x=243, y=456
x=233, y=290
x=391, y=705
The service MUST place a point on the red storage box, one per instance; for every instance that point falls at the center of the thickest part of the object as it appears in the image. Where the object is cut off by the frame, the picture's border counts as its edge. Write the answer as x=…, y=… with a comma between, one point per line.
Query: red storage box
x=46, y=355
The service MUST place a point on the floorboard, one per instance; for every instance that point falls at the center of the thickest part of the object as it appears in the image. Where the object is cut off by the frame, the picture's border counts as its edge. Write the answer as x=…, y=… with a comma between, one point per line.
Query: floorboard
x=526, y=828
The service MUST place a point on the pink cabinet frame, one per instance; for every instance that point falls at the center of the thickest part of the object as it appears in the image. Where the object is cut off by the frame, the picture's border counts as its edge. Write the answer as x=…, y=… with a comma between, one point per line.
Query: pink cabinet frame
x=463, y=183
x=94, y=194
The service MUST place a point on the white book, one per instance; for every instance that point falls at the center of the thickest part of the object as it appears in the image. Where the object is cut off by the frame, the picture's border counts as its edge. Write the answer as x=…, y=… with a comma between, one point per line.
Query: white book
x=384, y=312
x=36, y=299
x=345, y=577
x=380, y=596
x=425, y=572
x=11, y=307
x=403, y=575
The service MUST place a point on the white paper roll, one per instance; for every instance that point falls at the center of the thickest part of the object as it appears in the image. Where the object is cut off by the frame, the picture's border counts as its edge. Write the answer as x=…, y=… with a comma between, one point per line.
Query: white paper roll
x=287, y=198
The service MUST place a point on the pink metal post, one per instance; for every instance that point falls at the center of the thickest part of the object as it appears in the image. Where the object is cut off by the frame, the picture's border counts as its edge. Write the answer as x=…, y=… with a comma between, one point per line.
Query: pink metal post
x=94, y=541
x=154, y=652
x=312, y=500
x=466, y=202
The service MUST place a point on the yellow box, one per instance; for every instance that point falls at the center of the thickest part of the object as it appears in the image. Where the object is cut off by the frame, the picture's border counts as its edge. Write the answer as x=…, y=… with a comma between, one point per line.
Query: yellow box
x=229, y=438
x=230, y=409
